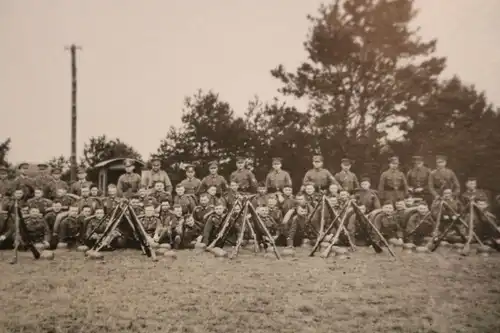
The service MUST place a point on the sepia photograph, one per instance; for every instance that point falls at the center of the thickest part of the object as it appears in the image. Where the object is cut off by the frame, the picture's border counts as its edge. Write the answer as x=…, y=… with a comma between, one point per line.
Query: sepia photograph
x=291, y=166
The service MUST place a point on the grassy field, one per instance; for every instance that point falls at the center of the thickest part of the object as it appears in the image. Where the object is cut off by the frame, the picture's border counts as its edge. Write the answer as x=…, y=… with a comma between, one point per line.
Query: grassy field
x=126, y=292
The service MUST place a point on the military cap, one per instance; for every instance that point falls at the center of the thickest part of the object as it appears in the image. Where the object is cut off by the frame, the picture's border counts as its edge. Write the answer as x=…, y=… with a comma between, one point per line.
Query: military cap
x=82, y=170
x=317, y=158
x=3, y=169
x=155, y=160
x=42, y=166
x=213, y=164
x=23, y=165
x=277, y=160
x=189, y=167
x=365, y=179
x=394, y=159
x=441, y=158
x=471, y=179
x=387, y=203
x=346, y=161
x=240, y=159
x=307, y=183
x=56, y=170
x=128, y=162
x=417, y=158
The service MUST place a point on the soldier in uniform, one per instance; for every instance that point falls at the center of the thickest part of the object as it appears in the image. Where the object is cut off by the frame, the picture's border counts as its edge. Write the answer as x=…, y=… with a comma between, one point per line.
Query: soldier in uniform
x=82, y=181
x=158, y=194
x=186, y=201
x=419, y=226
x=38, y=230
x=43, y=177
x=261, y=198
x=51, y=215
x=387, y=224
x=151, y=223
x=71, y=229
x=366, y=196
x=191, y=184
x=97, y=226
x=472, y=193
x=213, y=179
x=320, y=177
x=129, y=182
x=55, y=184
x=86, y=199
x=346, y=178
x=201, y=211
x=112, y=200
x=312, y=197
x=156, y=174
x=393, y=186
x=442, y=177
x=232, y=194
x=286, y=201
x=23, y=182
x=277, y=179
x=5, y=183
x=298, y=229
x=213, y=223
x=244, y=177
x=418, y=180
x=39, y=201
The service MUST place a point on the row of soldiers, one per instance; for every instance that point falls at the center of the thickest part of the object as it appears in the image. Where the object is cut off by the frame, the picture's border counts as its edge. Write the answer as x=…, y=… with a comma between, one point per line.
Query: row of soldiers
x=198, y=207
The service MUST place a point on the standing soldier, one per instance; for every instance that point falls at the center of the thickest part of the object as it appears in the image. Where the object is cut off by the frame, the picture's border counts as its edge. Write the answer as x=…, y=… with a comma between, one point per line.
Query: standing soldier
x=55, y=184
x=366, y=196
x=23, y=182
x=43, y=177
x=418, y=180
x=321, y=178
x=213, y=179
x=5, y=183
x=442, y=178
x=191, y=183
x=82, y=181
x=129, y=182
x=156, y=174
x=346, y=178
x=244, y=177
x=277, y=179
x=393, y=186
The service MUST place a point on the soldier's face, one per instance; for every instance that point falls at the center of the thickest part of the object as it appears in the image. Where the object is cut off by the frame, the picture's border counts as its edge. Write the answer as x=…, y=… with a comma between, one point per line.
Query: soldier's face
x=309, y=189
x=18, y=194
x=156, y=166
x=57, y=207
x=234, y=186
x=129, y=169
x=94, y=191
x=213, y=170
x=334, y=189
x=85, y=192
x=408, y=202
x=365, y=185
x=86, y=211
x=422, y=209
x=56, y=176
x=393, y=165
x=158, y=187
x=73, y=211
x=112, y=191
x=400, y=205
x=419, y=164
x=134, y=202
x=190, y=173
x=301, y=211
x=264, y=211
x=34, y=212
x=345, y=167
x=219, y=210
x=149, y=211
x=300, y=199
x=362, y=208
x=471, y=184
x=441, y=164
x=287, y=191
x=482, y=205
x=276, y=166
x=212, y=190
x=240, y=165
x=271, y=202
x=38, y=193
x=22, y=171
x=99, y=213
x=178, y=211
x=142, y=192
x=317, y=164
x=82, y=175
x=204, y=200
x=261, y=190
x=165, y=206
x=333, y=201
x=180, y=190
x=344, y=195
x=60, y=192
x=447, y=194
x=388, y=209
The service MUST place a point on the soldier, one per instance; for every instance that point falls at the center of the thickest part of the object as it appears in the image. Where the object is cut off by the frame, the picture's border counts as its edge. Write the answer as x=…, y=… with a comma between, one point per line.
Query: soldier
x=298, y=230
x=274, y=211
x=346, y=178
x=151, y=223
x=354, y=226
x=201, y=211
x=191, y=183
x=5, y=183
x=393, y=185
x=277, y=179
x=333, y=190
x=449, y=213
x=418, y=180
x=232, y=194
x=312, y=197
x=43, y=177
x=95, y=227
x=286, y=200
x=170, y=230
x=213, y=223
x=138, y=206
x=38, y=230
x=55, y=184
x=39, y=201
x=320, y=177
x=86, y=199
x=400, y=213
x=186, y=201
x=366, y=196
x=261, y=198
x=158, y=194
x=94, y=191
x=129, y=182
x=244, y=177
x=71, y=230
x=419, y=226
x=213, y=179
x=212, y=196
x=82, y=181
x=442, y=177
x=112, y=200
x=472, y=193
x=274, y=227
x=156, y=174
x=65, y=199
x=23, y=182
x=386, y=223
x=51, y=215
x=343, y=198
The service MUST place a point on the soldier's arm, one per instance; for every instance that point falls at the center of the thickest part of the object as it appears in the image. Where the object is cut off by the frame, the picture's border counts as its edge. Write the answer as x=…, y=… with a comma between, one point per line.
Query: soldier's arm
x=202, y=187
x=288, y=215
x=224, y=186
x=168, y=184
x=405, y=184
x=288, y=180
x=381, y=184
x=333, y=180
x=145, y=179
x=253, y=181
x=456, y=184
x=307, y=178
x=119, y=186
x=268, y=181
x=376, y=202
x=355, y=181
x=431, y=185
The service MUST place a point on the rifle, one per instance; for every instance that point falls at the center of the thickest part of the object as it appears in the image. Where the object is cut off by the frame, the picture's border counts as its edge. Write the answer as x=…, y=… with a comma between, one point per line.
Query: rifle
x=21, y=231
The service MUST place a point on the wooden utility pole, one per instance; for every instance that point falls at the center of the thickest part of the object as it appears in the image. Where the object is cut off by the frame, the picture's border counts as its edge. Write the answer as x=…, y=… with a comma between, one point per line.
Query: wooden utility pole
x=72, y=48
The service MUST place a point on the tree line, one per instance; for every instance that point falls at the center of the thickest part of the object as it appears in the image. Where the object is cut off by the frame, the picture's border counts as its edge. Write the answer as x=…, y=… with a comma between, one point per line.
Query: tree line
x=374, y=88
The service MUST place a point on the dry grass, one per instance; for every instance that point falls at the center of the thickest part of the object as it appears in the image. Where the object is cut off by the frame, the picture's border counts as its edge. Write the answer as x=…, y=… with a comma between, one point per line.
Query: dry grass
x=200, y=293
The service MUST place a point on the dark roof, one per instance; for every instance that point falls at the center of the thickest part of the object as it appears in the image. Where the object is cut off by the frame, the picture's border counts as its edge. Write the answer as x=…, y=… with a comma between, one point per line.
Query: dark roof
x=115, y=161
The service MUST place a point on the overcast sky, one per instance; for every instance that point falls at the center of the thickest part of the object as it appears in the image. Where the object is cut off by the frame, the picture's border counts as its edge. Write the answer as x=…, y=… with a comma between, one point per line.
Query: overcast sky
x=141, y=58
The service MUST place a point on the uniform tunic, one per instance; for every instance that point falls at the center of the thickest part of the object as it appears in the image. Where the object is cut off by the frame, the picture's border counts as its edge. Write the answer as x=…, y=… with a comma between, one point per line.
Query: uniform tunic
x=347, y=180
x=25, y=183
x=128, y=184
x=392, y=185
x=321, y=178
x=151, y=177
x=476, y=194
x=369, y=199
x=213, y=180
x=41, y=203
x=192, y=185
x=53, y=186
x=277, y=180
x=245, y=178
x=443, y=178
x=5, y=186
x=419, y=226
x=76, y=187
x=38, y=230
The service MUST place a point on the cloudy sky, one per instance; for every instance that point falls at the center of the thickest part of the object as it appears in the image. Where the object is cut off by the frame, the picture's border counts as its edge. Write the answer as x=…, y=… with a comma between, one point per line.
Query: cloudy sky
x=141, y=58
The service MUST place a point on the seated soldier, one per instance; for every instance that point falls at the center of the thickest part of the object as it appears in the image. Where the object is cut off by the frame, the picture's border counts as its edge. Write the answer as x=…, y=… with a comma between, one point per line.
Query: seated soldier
x=485, y=223
x=111, y=201
x=150, y=221
x=298, y=230
x=39, y=201
x=170, y=229
x=94, y=192
x=275, y=228
x=400, y=213
x=200, y=212
x=212, y=196
x=66, y=200
x=85, y=214
x=164, y=210
x=95, y=227
x=419, y=226
x=71, y=231
x=344, y=197
x=19, y=196
x=387, y=224
x=25, y=212
x=310, y=194
x=37, y=228
x=190, y=233
x=449, y=208
x=274, y=211
x=213, y=224
x=333, y=190
x=356, y=226
x=286, y=200
x=260, y=198
x=186, y=201
x=232, y=194
x=51, y=215
x=159, y=194
x=86, y=200
x=137, y=205
x=366, y=196
x=300, y=200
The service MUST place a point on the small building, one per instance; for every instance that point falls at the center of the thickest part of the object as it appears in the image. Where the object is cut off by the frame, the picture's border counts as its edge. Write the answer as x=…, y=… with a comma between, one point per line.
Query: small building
x=111, y=170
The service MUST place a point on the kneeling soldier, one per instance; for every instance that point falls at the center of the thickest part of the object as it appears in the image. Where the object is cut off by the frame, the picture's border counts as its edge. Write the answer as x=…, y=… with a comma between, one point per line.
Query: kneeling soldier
x=213, y=224
x=37, y=228
x=96, y=227
x=71, y=230
x=419, y=226
x=298, y=230
x=387, y=224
